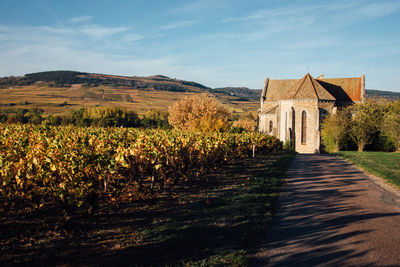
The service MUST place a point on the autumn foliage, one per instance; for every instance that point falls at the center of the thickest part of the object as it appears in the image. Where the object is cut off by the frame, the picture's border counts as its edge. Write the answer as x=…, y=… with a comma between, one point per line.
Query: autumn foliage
x=198, y=113
x=246, y=124
x=78, y=166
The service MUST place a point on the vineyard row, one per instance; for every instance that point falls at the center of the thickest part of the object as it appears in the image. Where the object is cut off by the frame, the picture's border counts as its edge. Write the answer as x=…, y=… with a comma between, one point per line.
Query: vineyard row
x=77, y=166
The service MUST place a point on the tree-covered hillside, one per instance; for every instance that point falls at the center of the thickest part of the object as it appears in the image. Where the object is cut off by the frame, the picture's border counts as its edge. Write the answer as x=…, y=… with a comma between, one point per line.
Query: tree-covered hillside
x=68, y=78
x=243, y=92
x=384, y=94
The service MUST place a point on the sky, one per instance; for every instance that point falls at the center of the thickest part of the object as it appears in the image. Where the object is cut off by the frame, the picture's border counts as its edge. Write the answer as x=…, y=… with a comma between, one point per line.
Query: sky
x=214, y=42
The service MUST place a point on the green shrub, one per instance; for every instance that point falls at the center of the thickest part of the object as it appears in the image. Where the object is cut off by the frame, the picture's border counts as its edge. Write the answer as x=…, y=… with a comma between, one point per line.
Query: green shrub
x=104, y=117
x=17, y=118
x=391, y=123
x=34, y=118
x=288, y=145
x=334, y=129
x=381, y=142
x=366, y=121
x=52, y=120
x=155, y=119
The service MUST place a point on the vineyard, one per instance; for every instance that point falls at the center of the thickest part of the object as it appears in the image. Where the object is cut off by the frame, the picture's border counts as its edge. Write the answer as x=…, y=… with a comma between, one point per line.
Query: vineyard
x=79, y=167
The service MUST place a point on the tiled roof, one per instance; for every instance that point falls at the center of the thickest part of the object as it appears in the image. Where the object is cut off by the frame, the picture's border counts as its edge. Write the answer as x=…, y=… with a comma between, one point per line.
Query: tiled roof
x=343, y=89
x=308, y=88
x=277, y=89
x=339, y=89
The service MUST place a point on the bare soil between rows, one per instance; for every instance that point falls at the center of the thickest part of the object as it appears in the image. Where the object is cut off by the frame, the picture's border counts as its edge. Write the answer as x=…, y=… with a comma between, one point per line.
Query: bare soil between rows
x=220, y=220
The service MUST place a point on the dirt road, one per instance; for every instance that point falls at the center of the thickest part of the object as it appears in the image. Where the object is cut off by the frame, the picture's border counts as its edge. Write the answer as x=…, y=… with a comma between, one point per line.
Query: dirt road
x=332, y=214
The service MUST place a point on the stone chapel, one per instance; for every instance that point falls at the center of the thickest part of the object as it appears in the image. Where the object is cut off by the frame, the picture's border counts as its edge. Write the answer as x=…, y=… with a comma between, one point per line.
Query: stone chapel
x=293, y=109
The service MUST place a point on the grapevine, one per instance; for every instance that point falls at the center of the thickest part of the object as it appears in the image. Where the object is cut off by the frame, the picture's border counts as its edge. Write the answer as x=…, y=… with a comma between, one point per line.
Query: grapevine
x=77, y=166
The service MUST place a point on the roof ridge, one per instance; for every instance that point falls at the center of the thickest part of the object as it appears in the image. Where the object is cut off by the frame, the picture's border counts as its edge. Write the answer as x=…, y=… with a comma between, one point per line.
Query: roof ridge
x=324, y=90
x=339, y=89
x=313, y=85
x=298, y=89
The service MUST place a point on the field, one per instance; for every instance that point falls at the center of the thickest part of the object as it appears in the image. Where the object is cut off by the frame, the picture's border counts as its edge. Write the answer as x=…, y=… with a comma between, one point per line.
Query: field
x=75, y=195
x=218, y=223
x=61, y=100
x=59, y=92
x=382, y=164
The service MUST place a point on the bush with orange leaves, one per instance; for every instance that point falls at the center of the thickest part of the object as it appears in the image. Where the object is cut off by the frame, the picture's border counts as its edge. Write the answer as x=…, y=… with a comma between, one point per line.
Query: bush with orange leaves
x=246, y=124
x=199, y=112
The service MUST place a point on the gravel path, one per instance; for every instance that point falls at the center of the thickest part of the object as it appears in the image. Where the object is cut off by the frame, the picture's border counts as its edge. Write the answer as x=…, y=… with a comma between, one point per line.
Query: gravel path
x=332, y=214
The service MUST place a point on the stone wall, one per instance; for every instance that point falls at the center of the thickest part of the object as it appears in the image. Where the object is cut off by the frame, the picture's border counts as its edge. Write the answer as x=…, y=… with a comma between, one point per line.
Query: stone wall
x=265, y=120
x=312, y=144
x=285, y=119
x=287, y=122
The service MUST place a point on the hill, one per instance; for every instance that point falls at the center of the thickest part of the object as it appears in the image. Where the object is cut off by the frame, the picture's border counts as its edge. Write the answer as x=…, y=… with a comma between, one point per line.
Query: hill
x=242, y=92
x=384, y=94
x=254, y=94
x=59, y=92
x=69, y=78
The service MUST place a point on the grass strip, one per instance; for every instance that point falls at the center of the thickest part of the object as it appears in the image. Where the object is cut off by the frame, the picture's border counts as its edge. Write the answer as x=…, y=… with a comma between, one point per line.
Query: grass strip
x=382, y=164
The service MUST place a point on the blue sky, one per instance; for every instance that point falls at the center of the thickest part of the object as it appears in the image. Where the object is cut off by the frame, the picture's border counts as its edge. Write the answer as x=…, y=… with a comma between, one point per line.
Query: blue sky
x=214, y=42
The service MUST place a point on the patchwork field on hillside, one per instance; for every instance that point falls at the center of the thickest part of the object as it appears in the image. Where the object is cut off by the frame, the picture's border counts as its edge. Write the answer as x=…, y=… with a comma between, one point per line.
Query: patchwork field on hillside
x=61, y=100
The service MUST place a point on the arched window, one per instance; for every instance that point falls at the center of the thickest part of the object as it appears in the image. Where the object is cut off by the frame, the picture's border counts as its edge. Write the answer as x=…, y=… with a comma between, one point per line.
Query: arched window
x=271, y=126
x=303, y=127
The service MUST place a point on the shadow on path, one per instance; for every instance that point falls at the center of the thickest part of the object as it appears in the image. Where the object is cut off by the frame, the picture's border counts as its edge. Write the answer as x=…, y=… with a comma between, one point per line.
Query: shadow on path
x=331, y=213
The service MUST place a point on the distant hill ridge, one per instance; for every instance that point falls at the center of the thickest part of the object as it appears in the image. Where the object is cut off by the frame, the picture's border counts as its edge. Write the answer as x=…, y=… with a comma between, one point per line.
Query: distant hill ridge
x=254, y=94
x=68, y=78
x=243, y=92
x=385, y=94
x=63, y=78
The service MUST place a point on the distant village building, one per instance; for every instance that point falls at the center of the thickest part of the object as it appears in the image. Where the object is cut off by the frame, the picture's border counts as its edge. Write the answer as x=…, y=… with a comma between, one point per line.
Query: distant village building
x=293, y=109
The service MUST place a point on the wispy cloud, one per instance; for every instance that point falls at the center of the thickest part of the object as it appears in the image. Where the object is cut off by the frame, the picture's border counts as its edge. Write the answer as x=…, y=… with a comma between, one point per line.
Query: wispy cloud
x=25, y=59
x=80, y=19
x=344, y=11
x=52, y=56
x=261, y=14
x=98, y=32
x=178, y=24
x=273, y=13
x=300, y=20
x=263, y=30
x=197, y=6
x=218, y=43
x=95, y=37
x=37, y=48
x=324, y=41
x=378, y=9
x=93, y=31
x=132, y=37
